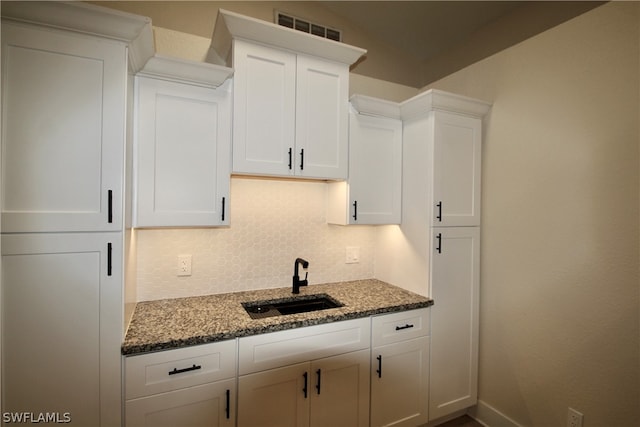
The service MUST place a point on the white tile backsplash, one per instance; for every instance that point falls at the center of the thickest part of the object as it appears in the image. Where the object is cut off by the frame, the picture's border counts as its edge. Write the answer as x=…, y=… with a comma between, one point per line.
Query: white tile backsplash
x=272, y=223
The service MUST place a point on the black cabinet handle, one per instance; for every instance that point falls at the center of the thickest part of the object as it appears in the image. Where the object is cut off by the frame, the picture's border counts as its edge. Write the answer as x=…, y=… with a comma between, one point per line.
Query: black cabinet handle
x=407, y=326
x=319, y=373
x=223, y=206
x=439, y=215
x=379, y=370
x=228, y=407
x=180, y=371
x=355, y=210
x=109, y=258
x=439, y=247
x=306, y=382
x=302, y=159
x=290, y=158
x=110, y=206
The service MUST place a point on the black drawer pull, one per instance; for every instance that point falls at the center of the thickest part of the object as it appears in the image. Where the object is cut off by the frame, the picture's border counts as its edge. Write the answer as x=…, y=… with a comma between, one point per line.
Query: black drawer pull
x=306, y=382
x=180, y=371
x=110, y=206
x=109, y=259
x=227, y=408
x=379, y=370
x=407, y=326
x=319, y=374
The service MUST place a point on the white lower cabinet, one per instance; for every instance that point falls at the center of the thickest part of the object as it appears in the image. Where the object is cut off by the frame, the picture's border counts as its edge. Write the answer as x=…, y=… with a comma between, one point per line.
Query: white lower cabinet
x=372, y=371
x=207, y=405
x=455, y=286
x=62, y=325
x=328, y=392
x=315, y=376
x=400, y=369
x=193, y=386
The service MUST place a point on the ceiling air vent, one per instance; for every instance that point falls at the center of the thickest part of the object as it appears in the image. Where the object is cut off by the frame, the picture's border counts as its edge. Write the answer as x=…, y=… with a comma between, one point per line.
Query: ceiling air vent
x=308, y=27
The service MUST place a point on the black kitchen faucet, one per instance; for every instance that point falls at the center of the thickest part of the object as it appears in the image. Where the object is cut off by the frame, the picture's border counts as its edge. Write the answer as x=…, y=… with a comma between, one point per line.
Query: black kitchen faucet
x=296, y=279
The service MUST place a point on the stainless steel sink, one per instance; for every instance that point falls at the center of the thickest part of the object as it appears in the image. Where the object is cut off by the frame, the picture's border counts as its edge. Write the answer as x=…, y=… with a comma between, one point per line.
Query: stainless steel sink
x=301, y=304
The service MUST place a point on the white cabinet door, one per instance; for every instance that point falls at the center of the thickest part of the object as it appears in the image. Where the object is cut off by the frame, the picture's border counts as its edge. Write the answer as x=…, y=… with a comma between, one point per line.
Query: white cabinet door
x=62, y=325
x=63, y=117
x=340, y=393
x=183, y=154
x=400, y=383
x=289, y=114
x=456, y=170
x=208, y=405
x=277, y=397
x=454, y=319
x=322, y=92
x=326, y=392
x=263, y=110
x=373, y=192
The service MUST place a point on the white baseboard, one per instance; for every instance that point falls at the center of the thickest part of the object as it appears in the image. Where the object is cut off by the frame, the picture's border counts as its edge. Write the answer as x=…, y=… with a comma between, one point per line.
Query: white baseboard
x=490, y=417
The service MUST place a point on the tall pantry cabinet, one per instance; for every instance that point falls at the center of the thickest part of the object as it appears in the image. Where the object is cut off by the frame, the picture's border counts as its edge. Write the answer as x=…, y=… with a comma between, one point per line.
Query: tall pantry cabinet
x=436, y=249
x=64, y=96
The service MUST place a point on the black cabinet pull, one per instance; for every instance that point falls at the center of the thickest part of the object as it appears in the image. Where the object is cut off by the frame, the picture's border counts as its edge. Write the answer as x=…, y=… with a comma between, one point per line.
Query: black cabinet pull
x=407, y=326
x=355, y=210
x=227, y=408
x=290, y=158
x=109, y=258
x=439, y=247
x=439, y=216
x=306, y=382
x=379, y=370
x=223, y=203
x=180, y=371
x=302, y=159
x=319, y=373
x=110, y=206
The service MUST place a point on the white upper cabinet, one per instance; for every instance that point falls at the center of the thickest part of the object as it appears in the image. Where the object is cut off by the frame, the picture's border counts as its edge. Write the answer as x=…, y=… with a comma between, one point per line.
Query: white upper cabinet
x=63, y=114
x=63, y=131
x=263, y=110
x=448, y=149
x=290, y=113
x=322, y=139
x=373, y=192
x=183, y=151
x=456, y=170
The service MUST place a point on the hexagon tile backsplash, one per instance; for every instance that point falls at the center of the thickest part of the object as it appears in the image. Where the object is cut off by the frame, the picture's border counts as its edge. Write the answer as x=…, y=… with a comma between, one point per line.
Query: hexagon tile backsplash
x=272, y=223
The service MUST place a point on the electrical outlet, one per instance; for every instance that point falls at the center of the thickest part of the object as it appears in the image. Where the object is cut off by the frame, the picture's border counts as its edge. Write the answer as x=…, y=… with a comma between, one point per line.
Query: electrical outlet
x=352, y=255
x=184, y=265
x=574, y=419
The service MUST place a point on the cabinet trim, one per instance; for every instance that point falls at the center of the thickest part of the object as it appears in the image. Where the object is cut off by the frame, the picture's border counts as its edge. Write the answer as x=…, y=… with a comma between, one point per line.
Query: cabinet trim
x=230, y=25
x=90, y=19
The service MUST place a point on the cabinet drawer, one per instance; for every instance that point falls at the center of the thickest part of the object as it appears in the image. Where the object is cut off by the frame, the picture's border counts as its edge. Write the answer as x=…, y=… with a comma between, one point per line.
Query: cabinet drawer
x=395, y=327
x=175, y=369
x=272, y=350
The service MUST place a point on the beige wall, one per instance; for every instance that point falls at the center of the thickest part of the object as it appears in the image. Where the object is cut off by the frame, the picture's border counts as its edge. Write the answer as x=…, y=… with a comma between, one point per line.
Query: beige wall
x=198, y=18
x=560, y=222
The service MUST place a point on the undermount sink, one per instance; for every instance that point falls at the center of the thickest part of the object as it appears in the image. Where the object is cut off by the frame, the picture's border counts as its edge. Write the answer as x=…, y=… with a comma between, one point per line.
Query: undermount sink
x=302, y=304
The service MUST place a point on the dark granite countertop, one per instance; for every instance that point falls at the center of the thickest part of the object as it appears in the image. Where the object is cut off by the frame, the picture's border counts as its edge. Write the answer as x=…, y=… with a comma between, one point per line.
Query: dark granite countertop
x=174, y=323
